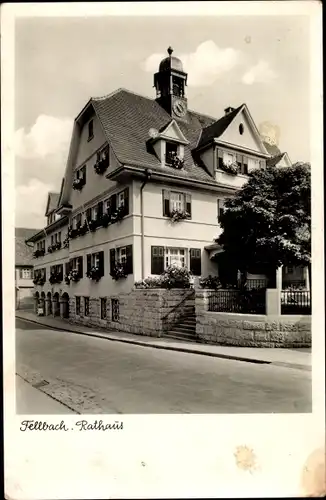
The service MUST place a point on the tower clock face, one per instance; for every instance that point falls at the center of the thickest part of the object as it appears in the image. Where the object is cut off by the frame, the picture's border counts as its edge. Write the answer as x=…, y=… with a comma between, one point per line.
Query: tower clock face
x=179, y=108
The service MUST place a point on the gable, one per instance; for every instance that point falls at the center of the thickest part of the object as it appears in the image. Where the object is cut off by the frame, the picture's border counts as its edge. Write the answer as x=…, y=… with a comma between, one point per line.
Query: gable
x=173, y=132
x=249, y=138
x=284, y=161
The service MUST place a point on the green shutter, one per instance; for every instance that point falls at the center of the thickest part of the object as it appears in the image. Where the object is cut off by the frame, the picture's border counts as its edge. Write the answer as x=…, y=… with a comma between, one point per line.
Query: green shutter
x=129, y=264
x=195, y=261
x=112, y=259
x=126, y=201
x=157, y=260
x=166, y=202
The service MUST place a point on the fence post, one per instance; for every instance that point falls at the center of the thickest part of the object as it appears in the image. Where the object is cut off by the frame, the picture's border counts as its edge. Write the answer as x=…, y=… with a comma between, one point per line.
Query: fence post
x=273, y=302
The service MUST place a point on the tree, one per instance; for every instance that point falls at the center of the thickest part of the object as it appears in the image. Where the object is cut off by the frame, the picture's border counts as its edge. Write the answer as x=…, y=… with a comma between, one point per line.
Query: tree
x=267, y=223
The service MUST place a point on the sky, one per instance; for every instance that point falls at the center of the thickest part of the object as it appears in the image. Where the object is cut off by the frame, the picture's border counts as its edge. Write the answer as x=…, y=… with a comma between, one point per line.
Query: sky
x=61, y=62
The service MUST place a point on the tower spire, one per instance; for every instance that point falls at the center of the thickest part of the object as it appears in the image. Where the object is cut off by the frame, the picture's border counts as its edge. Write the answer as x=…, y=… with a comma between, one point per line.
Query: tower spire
x=170, y=50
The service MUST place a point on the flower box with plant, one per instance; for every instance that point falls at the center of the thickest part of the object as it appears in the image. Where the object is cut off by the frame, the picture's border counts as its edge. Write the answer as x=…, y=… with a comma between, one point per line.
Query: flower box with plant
x=172, y=277
x=39, y=253
x=177, y=215
x=105, y=220
x=83, y=229
x=210, y=282
x=55, y=277
x=101, y=165
x=78, y=183
x=119, y=271
x=73, y=275
x=229, y=168
x=118, y=214
x=93, y=225
x=50, y=249
x=65, y=243
x=39, y=280
x=67, y=279
x=94, y=274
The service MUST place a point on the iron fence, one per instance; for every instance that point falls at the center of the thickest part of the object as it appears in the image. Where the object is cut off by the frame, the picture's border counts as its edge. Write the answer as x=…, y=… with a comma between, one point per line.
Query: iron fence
x=252, y=283
x=295, y=302
x=238, y=301
x=293, y=284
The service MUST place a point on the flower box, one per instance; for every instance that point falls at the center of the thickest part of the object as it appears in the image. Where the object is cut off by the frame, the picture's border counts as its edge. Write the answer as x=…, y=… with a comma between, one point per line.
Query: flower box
x=94, y=274
x=78, y=183
x=177, y=215
x=227, y=179
x=119, y=271
x=101, y=166
x=39, y=253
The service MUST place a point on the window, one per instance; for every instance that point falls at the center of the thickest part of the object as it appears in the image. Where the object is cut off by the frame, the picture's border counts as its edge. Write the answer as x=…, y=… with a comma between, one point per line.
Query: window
x=157, y=260
x=171, y=149
x=241, y=128
x=252, y=164
x=220, y=208
x=77, y=264
x=103, y=308
x=78, y=221
x=175, y=257
x=59, y=237
x=86, y=306
x=26, y=274
x=176, y=201
x=52, y=239
x=77, y=306
x=96, y=260
x=103, y=154
x=228, y=158
x=90, y=130
x=94, y=212
x=173, y=200
x=117, y=200
x=115, y=310
x=121, y=199
x=81, y=173
x=121, y=255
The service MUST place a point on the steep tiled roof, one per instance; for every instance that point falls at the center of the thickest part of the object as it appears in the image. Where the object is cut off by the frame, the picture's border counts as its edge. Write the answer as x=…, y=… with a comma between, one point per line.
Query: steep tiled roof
x=127, y=117
x=271, y=162
x=272, y=149
x=217, y=128
x=53, y=199
x=23, y=253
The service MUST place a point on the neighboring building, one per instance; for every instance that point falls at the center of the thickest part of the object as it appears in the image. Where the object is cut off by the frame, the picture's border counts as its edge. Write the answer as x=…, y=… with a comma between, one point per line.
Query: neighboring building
x=135, y=165
x=24, y=285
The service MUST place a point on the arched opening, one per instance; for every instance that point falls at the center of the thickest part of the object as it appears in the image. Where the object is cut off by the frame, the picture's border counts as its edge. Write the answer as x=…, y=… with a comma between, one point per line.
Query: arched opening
x=48, y=304
x=36, y=301
x=64, y=305
x=55, y=304
x=41, y=305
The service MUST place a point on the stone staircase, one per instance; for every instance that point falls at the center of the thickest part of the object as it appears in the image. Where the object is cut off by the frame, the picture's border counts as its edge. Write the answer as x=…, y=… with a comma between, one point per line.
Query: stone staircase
x=185, y=329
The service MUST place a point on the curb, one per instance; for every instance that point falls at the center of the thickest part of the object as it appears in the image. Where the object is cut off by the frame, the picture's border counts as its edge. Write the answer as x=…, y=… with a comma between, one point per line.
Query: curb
x=172, y=348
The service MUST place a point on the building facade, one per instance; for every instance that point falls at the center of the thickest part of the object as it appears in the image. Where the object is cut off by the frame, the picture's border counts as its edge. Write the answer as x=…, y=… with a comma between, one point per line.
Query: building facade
x=143, y=188
x=24, y=286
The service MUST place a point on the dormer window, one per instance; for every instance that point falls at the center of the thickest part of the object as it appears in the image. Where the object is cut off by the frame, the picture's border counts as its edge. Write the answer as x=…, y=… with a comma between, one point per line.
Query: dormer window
x=171, y=150
x=90, y=130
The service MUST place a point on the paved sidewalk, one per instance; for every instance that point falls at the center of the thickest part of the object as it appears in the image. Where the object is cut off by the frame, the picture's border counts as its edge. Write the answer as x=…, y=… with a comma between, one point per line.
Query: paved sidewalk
x=31, y=401
x=292, y=358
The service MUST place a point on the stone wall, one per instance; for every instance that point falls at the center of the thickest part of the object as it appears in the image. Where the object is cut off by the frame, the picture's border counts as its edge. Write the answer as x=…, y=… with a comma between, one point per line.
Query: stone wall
x=144, y=312
x=250, y=330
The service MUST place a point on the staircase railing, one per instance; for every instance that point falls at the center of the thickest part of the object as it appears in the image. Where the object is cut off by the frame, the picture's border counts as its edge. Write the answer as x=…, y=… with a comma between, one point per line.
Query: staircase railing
x=165, y=321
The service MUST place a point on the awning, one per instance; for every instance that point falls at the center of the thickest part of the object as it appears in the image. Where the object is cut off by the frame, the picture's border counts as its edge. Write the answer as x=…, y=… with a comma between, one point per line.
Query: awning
x=213, y=250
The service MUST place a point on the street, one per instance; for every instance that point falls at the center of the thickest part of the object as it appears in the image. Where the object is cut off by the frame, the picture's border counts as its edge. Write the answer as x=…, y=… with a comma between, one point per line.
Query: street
x=93, y=375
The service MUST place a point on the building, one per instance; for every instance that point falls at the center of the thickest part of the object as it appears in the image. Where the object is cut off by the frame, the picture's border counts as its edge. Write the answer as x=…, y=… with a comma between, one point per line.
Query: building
x=143, y=188
x=24, y=285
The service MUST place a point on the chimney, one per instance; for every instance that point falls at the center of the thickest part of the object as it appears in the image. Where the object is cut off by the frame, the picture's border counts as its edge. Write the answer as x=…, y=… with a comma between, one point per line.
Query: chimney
x=228, y=110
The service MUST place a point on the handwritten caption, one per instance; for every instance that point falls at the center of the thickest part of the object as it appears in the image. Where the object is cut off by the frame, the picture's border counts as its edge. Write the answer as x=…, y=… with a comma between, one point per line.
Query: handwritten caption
x=80, y=425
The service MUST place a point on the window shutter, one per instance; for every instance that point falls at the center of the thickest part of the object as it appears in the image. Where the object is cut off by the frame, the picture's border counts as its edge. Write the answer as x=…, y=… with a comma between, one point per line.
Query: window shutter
x=157, y=260
x=113, y=203
x=219, y=153
x=101, y=263
x=83, y=172
x=88, y=262
x=112, y=259
x=60, y=272
x=126, y=201
x=239, y=157
x=67, y=266
x=44, y=274
x=195, y=261
x=99, y=210
x=89, y=214
x=129, y=266
x=188, y=203
x=166, y=202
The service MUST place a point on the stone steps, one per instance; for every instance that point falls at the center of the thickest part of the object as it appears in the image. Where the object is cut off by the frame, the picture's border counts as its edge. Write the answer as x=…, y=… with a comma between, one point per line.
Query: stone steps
x=185, y=329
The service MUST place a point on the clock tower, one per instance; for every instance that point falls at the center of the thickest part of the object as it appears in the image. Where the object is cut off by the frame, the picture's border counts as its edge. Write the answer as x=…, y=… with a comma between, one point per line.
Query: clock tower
x=170, y=82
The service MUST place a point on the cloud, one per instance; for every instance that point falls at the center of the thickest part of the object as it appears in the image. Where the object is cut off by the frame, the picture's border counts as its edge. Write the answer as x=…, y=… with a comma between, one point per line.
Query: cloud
x=30, y=203
x=203, y=66
x=260, y=73
x=48, y=136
